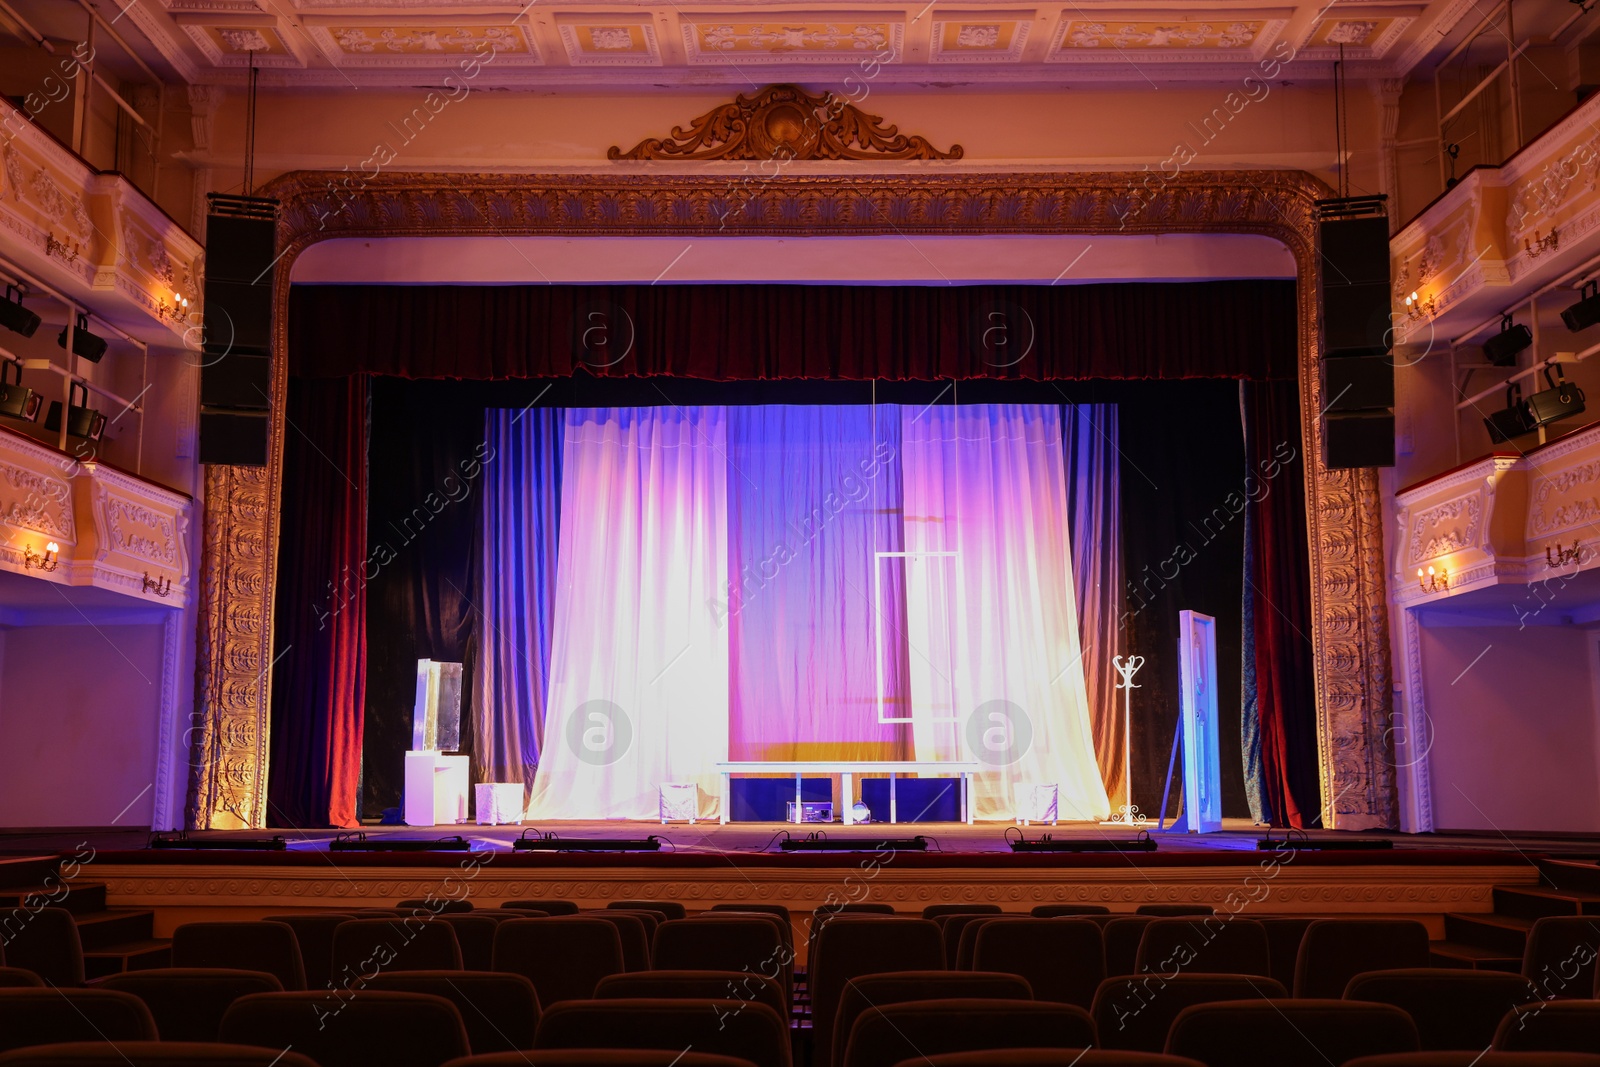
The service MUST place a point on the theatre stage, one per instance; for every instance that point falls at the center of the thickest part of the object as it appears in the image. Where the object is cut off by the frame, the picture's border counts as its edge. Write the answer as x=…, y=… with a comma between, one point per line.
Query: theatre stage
x=704, y=864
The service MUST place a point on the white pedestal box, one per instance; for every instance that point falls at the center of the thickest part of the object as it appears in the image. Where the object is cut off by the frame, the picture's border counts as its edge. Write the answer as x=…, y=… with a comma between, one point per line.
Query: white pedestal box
x=436, y=789
x=1037, y=803
x=498, y=802
x=680, y=802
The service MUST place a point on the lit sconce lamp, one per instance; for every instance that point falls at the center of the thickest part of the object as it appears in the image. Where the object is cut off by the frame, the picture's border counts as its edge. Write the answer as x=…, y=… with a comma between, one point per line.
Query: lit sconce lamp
x=1418, y=308
x=1435, y=581
x=1560, y=557
x=177, y=309
x=33, y=561
x=158, y=586
x=1540, y=245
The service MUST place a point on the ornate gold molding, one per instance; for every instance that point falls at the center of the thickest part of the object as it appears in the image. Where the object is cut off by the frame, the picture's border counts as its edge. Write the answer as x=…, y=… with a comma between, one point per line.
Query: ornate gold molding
x=1349, y=603
x=786, y=122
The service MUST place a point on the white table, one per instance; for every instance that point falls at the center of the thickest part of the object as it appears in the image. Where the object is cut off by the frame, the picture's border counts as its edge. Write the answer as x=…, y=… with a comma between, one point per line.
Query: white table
x=847, y=770
x=436, y=789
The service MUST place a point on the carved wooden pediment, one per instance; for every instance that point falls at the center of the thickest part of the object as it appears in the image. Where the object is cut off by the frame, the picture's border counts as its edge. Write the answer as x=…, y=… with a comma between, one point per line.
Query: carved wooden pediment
x=786, y=122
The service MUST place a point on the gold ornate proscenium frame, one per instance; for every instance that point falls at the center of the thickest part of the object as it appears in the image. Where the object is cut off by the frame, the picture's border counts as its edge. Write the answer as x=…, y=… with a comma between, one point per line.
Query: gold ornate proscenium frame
x=1349, y=618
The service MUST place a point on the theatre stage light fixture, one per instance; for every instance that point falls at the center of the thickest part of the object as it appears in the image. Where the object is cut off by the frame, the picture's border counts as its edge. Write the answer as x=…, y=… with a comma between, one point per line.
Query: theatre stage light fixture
x=1501, y=349
x=553, y=842
x=1586, y=312
x=17, y=401
x=15, y=317
x=90, y=346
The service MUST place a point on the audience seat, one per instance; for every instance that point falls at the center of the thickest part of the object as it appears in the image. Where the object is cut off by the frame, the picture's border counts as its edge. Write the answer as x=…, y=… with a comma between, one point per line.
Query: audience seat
x=771, y=909
x=1122, y=935
x=1050, y=1057
x=500, y=1011
x=1056, y=911
x=1283, y=945
x=313, y=932
x=474, y=936
x=1558, y=945
x=246, y=946
x=938, y=911
x=50, y=1016
x=369, y=1028
x=1333, y=951
x=152, y=1054
x=604, y=1057
x=1551, y=1026
x=1205, y=944
x=900, y=987
x=1062, y=959
x=694, y=985
x=437, y=906
x=754, y=944
x=46, y=943
x=671, y=909
x=564, y=956
x=549, y=907
x=1453, y=1008
x=1136, y=1011
x=848, y=946
x=1174, y=910
x=736, y=1028
x=17, y=978
x=632, y=931
x=1289, y=1033
x=892, y=1033
x=1479, y=1059
x=950, y=932
x=188, y=1003
x=967, y=943
x=418, y=944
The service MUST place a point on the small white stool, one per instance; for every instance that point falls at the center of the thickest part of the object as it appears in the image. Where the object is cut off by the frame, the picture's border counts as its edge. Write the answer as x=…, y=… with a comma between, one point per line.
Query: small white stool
x=498, y=802
x=1037, y=803
x=680, y=802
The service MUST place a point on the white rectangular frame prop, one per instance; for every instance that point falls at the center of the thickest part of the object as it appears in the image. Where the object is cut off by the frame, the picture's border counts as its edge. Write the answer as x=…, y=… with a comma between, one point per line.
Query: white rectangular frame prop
x=877, y=633
x=1202, y=763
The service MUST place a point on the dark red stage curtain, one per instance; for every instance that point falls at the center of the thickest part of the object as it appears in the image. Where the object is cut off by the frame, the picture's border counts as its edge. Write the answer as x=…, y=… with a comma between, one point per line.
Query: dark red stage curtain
x=1236, y=329
x=319, y=679
x=1279, y=586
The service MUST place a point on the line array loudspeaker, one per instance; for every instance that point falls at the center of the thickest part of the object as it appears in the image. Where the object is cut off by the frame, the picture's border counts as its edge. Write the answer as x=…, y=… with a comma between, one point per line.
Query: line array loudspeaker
x=236, y=368
x=1353, y=297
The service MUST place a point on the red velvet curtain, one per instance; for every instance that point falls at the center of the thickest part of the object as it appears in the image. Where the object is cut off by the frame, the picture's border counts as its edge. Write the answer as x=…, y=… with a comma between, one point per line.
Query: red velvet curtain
x=1278, y=581
x=319, y=676
x=1240, y=329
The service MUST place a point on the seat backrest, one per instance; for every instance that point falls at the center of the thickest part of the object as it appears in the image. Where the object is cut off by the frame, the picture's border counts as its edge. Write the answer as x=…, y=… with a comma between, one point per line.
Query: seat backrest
x=670, y=908
x=1122, y=935
x=634, y=933
x=771, y=909
x=362, y=946
x=565, y=956
x=848, y=946
x=1551, y=1026
x=886, y=1035
x=1283, y=945
x=950, y=934
x=898, y=987
x=500, y=1011
x=1062, y=959
x=16, y=977
x=436, y=906
x=611, y=1057
x=936, y=911
x=188, y=1003
x=1053, y=1057
x=1134, y=1012
x=1208, y=943
x=1453, y=1008
x=1277, y=1033
x=738, y=1028
x=1333, y=951
x=44, y=941
x=967, y=945
x=1174, y=910
x=549, y=907
x=369, y=1027
x=1559, y=959
x=475, y=935
x=1053, y=911
x=694, y=985
x=48, y=1016
x=247, y=946
x=313, y=932
x=754, y=944
x=152, y=1054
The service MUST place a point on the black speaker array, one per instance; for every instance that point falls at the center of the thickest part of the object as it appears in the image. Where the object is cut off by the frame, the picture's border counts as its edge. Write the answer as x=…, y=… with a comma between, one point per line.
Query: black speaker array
x=236, y=370
x=1357, y=366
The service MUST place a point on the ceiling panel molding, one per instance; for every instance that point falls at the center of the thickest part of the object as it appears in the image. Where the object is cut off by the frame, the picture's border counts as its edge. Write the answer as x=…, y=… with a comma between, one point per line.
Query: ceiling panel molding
x=604, y=39
x=818, y=37
x=978, y=36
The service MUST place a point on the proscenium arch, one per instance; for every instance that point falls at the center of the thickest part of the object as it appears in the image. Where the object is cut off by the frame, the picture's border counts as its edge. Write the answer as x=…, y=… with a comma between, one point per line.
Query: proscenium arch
x=1343, y=517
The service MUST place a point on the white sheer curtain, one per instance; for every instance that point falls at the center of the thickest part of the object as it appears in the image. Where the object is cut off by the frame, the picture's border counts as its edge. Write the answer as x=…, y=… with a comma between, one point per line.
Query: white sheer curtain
x=639, y=660
x=996, y=668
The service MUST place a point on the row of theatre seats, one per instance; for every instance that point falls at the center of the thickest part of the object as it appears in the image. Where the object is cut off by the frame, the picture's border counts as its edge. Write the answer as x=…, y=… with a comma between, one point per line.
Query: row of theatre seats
x=644, y=984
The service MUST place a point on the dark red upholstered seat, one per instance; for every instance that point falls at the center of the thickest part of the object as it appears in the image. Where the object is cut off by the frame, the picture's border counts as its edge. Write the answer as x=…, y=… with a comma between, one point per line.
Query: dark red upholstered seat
x=372, y=1027
x=752, y=943
x=967, y=942
x=771, y=909
x=1559, y=958
x=1333, y=951
x=848, y=946
x=313, y=932
x=1453, y=1008
x=1122, y=935
x=694, y=985
x=1206, y=943
x=938, y=911
x=500, y=1010
x=1062, y=959
x=736, y=1028
x=16, y=977
x=669, y=908
x=1136, y=1011
x=1289, y=1033
x=188, y=1003
x=249, y=946
x=419, y=943
x=44, y=941
x=1479, y=1059
x=549, y=907
x=893, y=1033
x=475, y=936
x=898, y=987
x=48, y=1016
x=632, y=932
x=1551, y=1026
x=1283, y=945
x=152, y=1054
x=564, y=956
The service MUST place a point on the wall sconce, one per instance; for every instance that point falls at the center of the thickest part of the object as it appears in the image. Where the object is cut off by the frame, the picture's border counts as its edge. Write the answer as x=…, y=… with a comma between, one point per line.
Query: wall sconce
x=158, y=586
x=33, y=561
x=1435, y=582
x=1563, y=556
x=177, y=309
x=1417, y=308
x=1540, y=245
x=67, y=250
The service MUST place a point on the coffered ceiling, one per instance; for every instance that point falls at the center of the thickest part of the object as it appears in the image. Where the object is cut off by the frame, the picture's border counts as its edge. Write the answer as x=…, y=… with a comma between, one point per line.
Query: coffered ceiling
x=683, y=43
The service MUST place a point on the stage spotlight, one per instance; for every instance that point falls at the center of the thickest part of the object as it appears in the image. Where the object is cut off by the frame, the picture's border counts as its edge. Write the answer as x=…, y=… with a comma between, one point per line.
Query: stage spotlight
x=90, y=346
x=551, y=842
x=359, y=842
x=1586, y=312
x=15, y=317
x=182, y=840
x=1047, y=843
x=17, y=401
x=1502, y=348
x=1513, y=420
x=82, y=420
x=820, y=842
x=1562, y=400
